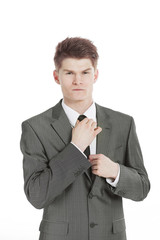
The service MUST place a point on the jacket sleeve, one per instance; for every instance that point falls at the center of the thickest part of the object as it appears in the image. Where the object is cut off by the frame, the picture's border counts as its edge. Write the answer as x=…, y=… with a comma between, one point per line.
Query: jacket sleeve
x=45, y=179
x=133, y=182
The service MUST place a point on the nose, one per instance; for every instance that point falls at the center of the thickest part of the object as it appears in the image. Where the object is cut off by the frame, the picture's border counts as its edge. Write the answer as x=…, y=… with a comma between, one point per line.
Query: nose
x=77, y=79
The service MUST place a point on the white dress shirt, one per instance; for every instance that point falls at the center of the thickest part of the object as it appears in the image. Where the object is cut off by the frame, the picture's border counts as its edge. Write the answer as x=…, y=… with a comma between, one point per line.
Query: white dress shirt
x=89, y=113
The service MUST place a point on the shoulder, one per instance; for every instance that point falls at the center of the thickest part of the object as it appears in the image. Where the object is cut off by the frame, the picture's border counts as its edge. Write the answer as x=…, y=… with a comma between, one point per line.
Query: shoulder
x=39, y=118
x=115, y=116
x=45, y=116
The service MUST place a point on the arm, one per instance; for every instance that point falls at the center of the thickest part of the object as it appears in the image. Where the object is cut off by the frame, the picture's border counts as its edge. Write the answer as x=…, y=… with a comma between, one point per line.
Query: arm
x=45, y=179
x=133, y=181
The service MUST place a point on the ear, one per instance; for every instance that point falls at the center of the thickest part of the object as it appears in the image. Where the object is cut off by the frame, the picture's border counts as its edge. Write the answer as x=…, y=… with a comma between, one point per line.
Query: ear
x=96, y=73
x=56, y=76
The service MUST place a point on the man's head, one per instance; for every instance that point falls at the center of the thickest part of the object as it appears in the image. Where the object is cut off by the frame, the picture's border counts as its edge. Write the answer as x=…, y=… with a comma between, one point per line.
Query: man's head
x=75, y=48
x=76, y=69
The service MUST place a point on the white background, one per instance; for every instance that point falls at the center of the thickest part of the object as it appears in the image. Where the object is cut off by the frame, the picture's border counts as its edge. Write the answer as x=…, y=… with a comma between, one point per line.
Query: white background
x=127, y=35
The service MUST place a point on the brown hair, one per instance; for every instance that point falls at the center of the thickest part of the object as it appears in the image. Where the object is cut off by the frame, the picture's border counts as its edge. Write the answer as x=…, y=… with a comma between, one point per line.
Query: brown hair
x=75, y=48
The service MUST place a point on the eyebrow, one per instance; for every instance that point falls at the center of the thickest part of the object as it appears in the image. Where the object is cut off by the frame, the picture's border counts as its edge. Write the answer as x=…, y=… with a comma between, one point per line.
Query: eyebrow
x=67, y=70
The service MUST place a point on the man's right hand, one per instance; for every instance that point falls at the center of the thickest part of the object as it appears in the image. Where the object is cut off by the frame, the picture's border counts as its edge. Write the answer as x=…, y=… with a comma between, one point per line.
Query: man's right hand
x=84, y=133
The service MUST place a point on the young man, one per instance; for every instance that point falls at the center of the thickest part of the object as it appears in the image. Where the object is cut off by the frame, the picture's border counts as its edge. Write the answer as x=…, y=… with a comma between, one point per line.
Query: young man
x=80, y=158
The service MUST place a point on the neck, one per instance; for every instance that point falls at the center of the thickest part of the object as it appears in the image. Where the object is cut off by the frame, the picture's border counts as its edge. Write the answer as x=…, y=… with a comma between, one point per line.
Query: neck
x=79, y=106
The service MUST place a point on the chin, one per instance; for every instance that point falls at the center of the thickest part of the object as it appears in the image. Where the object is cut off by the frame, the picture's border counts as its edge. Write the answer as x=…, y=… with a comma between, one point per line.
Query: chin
x=78, y=98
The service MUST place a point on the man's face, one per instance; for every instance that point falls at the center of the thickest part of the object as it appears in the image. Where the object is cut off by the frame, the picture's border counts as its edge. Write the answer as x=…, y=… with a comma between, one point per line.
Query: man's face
x=76, y=77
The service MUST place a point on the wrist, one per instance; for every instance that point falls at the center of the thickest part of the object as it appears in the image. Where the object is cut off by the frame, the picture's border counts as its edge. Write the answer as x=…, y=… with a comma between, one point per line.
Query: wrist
x=82, y=148
x=115, y=170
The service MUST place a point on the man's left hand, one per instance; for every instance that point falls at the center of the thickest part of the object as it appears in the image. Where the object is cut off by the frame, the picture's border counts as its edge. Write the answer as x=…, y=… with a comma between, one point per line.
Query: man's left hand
x=103, y=166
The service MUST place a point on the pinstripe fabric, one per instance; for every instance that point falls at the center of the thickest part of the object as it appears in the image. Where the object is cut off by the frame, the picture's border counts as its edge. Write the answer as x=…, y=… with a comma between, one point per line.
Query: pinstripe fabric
x=56, y=177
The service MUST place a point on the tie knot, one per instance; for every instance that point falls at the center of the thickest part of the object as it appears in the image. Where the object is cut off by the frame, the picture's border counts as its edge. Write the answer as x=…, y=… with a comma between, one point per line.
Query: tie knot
x=81, y=117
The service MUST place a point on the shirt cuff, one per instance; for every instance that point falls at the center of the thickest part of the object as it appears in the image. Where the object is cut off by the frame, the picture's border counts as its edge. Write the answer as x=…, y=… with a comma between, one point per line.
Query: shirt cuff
x=79, y=149
x=115, y=182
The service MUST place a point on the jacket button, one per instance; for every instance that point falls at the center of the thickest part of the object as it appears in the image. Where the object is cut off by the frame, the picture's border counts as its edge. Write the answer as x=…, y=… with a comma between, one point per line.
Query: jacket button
x=92, y=225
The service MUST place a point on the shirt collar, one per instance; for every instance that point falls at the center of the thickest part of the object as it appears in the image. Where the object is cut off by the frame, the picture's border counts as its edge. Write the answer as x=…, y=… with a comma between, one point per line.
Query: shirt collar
x=73, y=115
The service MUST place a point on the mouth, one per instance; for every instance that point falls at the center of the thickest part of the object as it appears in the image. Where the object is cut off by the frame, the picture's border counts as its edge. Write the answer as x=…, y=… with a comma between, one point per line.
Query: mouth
x=78, y=89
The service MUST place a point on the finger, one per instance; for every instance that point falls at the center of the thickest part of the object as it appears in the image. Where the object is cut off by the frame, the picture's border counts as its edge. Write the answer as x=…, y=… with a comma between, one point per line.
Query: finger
x=98, y=130
x=93, y=157
x=77, y=122
x=95, y=172
x=95, y=167
x=90, y=122
x=85, y=120
x=94, y=163
x=94, y=125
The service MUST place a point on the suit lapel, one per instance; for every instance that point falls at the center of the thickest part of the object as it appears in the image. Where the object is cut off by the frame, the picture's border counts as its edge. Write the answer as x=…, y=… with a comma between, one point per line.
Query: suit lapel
x=61, y=124
x=103, y=138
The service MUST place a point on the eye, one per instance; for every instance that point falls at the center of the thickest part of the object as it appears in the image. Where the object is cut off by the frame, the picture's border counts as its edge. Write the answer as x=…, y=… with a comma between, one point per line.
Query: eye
x=85, y=72
x=69, y=73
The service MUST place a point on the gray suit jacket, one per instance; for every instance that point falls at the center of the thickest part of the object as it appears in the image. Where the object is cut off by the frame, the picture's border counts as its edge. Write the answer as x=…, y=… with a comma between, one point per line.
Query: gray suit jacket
x=56, y=176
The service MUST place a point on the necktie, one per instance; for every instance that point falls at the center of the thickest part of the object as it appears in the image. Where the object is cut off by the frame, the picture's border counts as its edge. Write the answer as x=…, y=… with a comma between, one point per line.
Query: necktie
x=87, y=150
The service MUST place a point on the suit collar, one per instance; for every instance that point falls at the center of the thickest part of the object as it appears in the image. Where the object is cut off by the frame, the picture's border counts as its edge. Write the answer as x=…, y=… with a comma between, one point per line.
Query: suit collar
x=102, y=116
x=73, y=115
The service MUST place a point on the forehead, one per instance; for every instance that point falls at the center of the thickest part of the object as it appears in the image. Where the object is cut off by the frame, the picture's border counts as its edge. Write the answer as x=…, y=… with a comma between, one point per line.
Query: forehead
x=76, y=64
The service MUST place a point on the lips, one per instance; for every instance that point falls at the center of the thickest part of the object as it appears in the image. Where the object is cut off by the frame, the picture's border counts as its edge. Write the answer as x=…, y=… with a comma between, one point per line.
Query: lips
x=78, y=89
